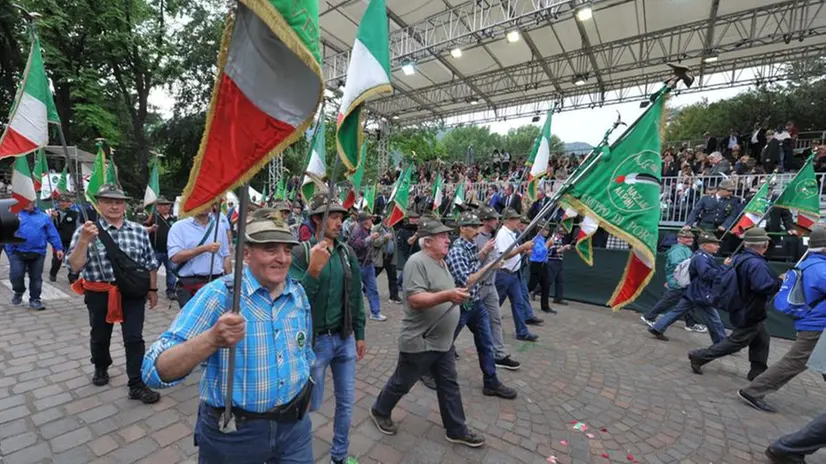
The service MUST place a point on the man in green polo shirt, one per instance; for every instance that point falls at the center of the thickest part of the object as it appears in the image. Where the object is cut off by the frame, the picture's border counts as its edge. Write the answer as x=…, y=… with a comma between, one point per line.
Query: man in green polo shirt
x=329, y=272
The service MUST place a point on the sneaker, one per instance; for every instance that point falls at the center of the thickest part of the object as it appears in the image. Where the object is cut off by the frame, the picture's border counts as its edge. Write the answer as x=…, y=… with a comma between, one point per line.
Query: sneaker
x=696, y=365
x=699, y=328
x=171, y=296
x=657, y=334
x=380, y=318
x=470, y=439
x=561, y=302
x=101, y=377
x=501, y=391
x=534, y=321
x=549, y=311
x=756, y=403
x=647, y=322
x=775, y=457
x=347, y=460
x=396, y=300
x=507, y=363
x=143, y=393
x=36, y=305
x=527, y=338
x=428, y=381
x=384, y=424
x=17, y=299
x=52, y=278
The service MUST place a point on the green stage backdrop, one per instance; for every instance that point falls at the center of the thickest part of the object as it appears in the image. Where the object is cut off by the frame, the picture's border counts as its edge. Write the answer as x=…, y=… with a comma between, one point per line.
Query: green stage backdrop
x=595, y=285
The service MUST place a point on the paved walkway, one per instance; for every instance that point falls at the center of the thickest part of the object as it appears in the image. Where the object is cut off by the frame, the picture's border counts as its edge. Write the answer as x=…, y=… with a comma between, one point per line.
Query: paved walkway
x=636, y=395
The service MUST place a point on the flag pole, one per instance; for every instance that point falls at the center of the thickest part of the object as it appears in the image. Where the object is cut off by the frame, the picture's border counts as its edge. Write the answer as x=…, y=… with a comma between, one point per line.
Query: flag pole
x=214, y=238
x=740, y=246
x=227, y=420
x=743, y=211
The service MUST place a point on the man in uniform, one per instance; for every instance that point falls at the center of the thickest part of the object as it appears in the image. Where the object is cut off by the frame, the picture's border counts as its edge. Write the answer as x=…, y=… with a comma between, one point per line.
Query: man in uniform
x=160, y=222
x=273, y=339
x=487, y=289
x=105, y=302
x=431, y=315
x=716, y=213
x=66, y=219
x=329, y=272
x=198, y=257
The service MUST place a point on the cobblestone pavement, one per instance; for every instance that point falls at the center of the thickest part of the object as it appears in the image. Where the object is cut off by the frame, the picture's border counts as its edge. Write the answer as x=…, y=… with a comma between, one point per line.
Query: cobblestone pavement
x=637, y=396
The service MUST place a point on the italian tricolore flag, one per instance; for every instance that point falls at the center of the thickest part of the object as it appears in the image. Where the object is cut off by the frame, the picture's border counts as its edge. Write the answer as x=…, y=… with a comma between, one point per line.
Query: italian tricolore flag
x=802, y=194
x=22, y=187
x=267, y=90
x=368, y=74
x=755, y=209
x=400, y=198
x=316, y=172
x=153, y=188
x=538, y=160
x=33, y=110
x=438, y=192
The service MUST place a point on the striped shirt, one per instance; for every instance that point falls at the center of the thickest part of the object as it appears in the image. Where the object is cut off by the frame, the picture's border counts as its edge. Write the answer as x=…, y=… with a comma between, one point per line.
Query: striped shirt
x=272, y=362
x=131, y=238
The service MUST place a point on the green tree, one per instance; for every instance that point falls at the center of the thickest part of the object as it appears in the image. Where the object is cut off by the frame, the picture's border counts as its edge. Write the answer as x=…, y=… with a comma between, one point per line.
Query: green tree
x=423, y=141
x=456, y=142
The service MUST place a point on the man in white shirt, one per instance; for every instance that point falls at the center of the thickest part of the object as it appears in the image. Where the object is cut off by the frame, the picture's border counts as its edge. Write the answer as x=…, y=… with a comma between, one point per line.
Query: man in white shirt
x=508, y=281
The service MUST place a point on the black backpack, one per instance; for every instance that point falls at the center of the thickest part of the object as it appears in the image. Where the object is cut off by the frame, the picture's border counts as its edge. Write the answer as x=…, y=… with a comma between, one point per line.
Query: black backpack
x=131, y=278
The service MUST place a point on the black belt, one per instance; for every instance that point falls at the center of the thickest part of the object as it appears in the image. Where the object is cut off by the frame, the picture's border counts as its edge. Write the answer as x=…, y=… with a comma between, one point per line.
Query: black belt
x=202, y=277
x=333, y=331
x=508, y=271
x=291, y=412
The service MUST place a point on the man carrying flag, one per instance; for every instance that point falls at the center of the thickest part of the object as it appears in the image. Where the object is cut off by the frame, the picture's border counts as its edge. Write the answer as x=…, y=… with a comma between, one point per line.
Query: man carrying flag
x=368, y=75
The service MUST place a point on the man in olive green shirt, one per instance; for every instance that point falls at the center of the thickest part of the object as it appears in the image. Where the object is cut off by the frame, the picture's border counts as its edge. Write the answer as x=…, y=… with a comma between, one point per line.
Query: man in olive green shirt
x=329, y=271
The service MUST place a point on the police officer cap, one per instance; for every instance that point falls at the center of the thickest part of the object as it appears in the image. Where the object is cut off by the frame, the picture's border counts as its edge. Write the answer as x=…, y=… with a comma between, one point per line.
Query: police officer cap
x=705, y=237
x=727, y=185
x=469, y=219
x=269, y=228
x=817, y=239
x=756, y=235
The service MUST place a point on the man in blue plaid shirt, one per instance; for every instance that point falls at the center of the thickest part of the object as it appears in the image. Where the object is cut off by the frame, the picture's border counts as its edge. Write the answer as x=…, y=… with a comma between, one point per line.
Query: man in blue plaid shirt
x=273, y=340
x=88, y=254
x=463, y=262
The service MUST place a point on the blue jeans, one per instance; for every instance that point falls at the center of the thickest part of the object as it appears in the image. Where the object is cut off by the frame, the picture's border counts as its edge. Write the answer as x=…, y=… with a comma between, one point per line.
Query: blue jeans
x=163, y=258
x=371, y=290
x=476, y=319
x=527, y=309
x=340, y=355
x=19, y=267
x=669, y=299
x=255, y=441
x=715, y=326
x=509, y=286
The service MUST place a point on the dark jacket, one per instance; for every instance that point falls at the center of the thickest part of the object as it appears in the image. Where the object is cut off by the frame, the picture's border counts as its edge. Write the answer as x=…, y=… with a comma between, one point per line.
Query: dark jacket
x=710, y=213
x=703, y=270
x=66, y=222
x=711, y=145
x=771, y=153
x=757, y=284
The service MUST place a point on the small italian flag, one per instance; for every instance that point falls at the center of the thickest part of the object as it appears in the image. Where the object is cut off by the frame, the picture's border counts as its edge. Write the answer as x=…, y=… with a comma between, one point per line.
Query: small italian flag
x=267, y=91
x=355, y=179
x=400, y=198
x=368, y=74
x=755, y=209
x=153, y=188
x=22, y=187
x=459, y=195
x=584, y=247
x=538, y=160
x=33, y=110
x=41, y=169
x=62, y=184
x=316, y=172
x=568, y=219
x=438, y=192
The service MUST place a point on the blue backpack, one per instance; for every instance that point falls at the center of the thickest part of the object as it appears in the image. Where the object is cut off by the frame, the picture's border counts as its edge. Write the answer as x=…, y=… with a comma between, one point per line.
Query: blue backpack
x=725, y=290
x=791, y=300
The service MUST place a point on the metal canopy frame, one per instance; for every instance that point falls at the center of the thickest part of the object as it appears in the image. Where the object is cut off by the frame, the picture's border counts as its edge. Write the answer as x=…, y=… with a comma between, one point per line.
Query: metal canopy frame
x=561, y=61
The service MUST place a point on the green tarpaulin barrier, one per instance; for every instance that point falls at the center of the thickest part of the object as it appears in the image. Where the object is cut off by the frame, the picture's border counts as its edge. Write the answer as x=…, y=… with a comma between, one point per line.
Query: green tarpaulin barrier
x=595, y=285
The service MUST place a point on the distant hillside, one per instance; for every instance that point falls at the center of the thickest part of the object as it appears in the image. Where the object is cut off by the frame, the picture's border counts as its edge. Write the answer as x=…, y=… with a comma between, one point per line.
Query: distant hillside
x=577, y=147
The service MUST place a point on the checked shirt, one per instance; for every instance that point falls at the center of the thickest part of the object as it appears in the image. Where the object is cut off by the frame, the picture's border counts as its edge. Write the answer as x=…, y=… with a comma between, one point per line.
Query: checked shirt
x=462, y=261
x=131, y=238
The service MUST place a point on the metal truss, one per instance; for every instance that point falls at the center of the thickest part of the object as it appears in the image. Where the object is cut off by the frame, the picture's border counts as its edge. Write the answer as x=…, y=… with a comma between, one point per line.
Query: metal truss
x=274, y=172
x=773, y=24
x=754, y=70
x=383, y=146
x=463, y=25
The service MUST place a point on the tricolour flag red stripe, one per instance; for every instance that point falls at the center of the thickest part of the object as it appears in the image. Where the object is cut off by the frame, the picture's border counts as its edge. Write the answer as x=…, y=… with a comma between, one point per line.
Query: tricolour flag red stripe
x=636, y=276
x=806, y=221
x=14, y=143
x=395, y=216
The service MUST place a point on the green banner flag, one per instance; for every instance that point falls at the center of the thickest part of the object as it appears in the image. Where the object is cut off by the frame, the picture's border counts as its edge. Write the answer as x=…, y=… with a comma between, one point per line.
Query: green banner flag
x=801, y=194
x=112, y=172
x=370, y=197
x=41, y=168
x=62, y=185
x=97, y=176
x=621, y=192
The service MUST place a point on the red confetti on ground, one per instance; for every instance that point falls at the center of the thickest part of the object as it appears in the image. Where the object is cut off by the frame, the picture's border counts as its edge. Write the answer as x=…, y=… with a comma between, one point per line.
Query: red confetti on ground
x=631, y=458
x=603, y=429
x=574, y=421
x=605, y=455
x=563, y=442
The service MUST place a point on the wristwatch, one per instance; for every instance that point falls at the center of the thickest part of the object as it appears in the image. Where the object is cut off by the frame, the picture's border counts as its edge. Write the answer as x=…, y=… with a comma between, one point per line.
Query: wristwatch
x=153, y=289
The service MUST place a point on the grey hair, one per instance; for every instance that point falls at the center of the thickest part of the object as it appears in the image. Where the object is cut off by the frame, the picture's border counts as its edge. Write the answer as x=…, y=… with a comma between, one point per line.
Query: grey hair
x=421, y=241
x=756, y=245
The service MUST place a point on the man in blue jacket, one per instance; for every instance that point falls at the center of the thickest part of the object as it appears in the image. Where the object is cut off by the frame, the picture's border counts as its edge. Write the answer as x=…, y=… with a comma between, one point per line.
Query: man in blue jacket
x=678, y=253
x=703, y=270
x=809, y=327
x=37, y=230
x=756, y=283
